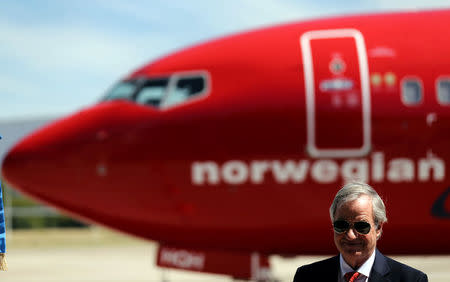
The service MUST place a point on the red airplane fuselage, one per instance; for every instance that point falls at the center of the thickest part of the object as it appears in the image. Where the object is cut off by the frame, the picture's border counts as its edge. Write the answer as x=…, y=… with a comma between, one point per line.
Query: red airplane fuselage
x=241, y=143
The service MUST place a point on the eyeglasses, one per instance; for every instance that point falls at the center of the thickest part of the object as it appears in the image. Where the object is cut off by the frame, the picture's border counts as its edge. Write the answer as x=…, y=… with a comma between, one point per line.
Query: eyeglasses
x=341, y=226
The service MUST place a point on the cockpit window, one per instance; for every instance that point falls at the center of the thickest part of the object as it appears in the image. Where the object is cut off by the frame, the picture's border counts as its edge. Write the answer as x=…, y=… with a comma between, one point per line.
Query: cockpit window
x=122, y=90
x=161, y=92
x=184, y=89
x=152, y=92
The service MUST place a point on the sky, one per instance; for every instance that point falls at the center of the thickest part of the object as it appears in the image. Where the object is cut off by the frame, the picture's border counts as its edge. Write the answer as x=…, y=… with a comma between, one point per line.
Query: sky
x=57, y=57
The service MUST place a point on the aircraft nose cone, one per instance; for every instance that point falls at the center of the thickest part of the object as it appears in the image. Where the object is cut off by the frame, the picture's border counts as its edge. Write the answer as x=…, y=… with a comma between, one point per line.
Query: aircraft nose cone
x=63, y=158
x=62, y=165
x=89, y=165
x=40, y=162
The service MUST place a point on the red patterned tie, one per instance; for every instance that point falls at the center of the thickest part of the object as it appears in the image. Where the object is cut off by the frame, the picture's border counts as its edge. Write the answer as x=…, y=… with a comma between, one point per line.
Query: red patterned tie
x=351, y=276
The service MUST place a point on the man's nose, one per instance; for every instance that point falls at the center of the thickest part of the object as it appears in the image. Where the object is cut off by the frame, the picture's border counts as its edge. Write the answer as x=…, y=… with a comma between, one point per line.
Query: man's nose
x=351, y=234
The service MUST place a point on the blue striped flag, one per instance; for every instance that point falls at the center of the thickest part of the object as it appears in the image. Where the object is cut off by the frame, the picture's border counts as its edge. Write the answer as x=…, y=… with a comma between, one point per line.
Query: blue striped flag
x=2, y=233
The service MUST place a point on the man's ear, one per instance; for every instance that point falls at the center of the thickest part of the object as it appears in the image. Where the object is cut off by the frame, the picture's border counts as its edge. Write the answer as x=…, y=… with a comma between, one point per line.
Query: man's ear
x=379, y=230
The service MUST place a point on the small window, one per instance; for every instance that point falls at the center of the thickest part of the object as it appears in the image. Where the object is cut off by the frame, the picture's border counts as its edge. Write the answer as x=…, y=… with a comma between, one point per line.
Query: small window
x=443, y=91
x=152, y=92
x=412, y=92
x=185, y=88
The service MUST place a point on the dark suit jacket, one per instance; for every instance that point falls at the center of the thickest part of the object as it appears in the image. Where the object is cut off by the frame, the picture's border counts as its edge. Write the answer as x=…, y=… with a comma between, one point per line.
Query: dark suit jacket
x=384, y=269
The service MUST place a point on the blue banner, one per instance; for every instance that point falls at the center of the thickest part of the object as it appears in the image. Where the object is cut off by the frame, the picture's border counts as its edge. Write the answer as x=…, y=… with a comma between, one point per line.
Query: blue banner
x=2, y=224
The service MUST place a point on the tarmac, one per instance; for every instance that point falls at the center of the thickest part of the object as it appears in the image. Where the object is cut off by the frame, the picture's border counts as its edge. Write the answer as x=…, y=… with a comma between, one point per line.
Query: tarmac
x=96, y=254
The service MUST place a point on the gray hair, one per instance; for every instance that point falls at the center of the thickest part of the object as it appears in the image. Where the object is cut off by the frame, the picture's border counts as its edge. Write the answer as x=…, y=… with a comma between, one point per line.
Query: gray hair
x=352, y=191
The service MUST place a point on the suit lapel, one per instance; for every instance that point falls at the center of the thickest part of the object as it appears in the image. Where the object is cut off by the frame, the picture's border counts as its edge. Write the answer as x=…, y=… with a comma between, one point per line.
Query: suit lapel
x=380, y=269
x=333, y=270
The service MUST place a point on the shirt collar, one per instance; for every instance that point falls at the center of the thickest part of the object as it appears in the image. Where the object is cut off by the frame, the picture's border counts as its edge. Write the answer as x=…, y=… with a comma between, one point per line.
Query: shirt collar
x=364, y=269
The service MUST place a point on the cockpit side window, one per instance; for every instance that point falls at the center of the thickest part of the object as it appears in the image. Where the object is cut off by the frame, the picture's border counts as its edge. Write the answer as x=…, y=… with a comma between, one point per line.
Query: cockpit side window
x=152, y=92
x=185, y=88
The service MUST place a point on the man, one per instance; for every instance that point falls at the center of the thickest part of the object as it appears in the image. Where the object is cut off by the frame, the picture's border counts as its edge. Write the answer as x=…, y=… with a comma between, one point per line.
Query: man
x=358, y=214
x=2, y=233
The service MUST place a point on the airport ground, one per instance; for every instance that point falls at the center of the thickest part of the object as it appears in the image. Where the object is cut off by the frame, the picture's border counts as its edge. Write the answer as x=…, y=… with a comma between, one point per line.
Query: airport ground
x=97, y=254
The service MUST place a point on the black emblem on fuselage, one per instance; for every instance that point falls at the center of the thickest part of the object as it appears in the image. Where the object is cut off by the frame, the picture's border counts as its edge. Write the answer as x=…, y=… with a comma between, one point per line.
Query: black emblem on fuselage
x=438, y=208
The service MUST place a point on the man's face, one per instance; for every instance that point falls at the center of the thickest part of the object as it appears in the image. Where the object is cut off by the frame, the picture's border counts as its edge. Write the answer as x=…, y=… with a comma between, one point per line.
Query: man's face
x=356, y=248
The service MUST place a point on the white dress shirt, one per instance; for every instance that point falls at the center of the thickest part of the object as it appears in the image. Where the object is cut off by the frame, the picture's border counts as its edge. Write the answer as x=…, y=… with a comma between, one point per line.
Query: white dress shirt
x=363, y=269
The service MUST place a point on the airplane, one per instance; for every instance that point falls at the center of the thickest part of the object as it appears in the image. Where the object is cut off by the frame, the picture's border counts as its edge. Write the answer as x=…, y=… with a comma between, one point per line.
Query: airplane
x=233, y=149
